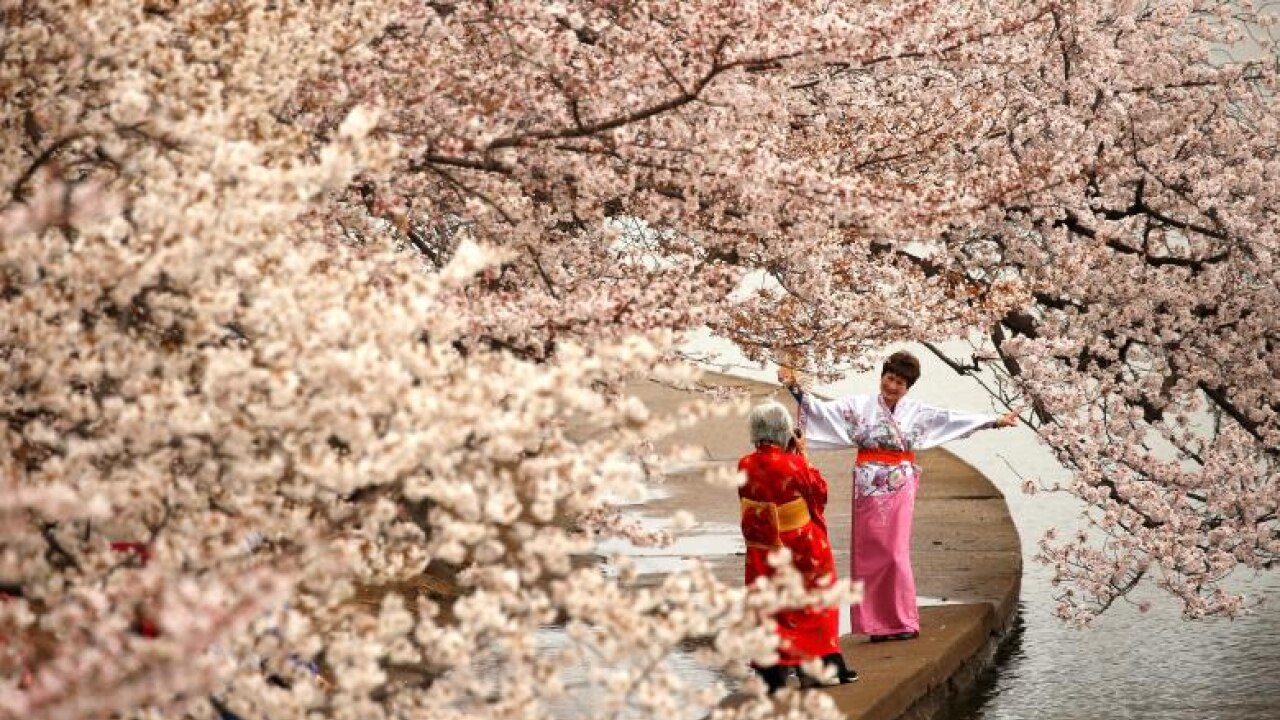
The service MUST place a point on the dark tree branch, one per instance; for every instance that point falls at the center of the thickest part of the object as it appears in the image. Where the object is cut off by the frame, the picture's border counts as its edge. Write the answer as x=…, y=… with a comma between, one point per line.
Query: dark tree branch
x=952, y=363
x=581, y=130
x=41, y=160
x=1219, y=397
x=1073, y=223
x=56, y=550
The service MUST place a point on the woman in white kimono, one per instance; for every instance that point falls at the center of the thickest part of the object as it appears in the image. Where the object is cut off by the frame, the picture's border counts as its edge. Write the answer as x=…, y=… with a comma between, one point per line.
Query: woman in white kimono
x=887, y=428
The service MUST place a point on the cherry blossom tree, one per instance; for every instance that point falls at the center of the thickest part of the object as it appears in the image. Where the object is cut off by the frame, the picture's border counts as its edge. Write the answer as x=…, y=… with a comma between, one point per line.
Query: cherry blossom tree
x=235, y=406
x=306, y=299
x=1124, y=159
x=1152, y=334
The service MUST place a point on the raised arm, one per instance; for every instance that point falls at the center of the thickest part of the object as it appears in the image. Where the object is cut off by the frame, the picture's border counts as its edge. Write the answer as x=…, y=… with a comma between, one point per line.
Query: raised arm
x=827, y=424
x=814, y=491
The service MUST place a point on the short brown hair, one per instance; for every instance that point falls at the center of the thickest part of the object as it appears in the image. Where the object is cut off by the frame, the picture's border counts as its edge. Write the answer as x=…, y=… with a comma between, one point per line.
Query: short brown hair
x=904, y=365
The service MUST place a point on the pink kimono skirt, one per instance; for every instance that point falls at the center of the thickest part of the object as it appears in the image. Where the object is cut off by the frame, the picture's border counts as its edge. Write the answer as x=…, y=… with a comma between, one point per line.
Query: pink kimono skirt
x=880, y=558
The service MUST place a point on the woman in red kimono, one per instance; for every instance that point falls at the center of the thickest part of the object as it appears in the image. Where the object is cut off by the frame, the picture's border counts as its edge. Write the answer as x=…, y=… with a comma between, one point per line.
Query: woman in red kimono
x=783, y=500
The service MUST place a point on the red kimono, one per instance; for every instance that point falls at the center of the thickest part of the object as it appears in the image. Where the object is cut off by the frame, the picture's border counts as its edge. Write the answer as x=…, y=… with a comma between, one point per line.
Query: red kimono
x=782, y=502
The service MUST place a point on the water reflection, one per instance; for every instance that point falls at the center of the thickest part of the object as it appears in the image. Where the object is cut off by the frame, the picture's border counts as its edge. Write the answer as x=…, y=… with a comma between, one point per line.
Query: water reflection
x=1135, y=665
x=1129, y=664
x=583, y=692
x=987, y=685
x=712, y=539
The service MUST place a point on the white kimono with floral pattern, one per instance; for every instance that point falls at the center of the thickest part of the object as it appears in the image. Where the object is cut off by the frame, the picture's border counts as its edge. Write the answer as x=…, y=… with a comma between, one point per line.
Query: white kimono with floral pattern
x=884, y=494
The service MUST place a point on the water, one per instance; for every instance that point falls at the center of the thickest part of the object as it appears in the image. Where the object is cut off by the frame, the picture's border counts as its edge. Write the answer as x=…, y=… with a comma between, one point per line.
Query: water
x=1129, y=664
x=581, y=700
x=1127, y=667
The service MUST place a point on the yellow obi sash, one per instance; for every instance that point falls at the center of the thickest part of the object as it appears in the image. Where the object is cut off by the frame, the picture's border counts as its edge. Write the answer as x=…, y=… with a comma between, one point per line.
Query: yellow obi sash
x=764, y=522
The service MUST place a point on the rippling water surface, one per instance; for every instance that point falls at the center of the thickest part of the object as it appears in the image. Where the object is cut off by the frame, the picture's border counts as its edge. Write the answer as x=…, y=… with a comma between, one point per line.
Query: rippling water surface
x=1131, y=664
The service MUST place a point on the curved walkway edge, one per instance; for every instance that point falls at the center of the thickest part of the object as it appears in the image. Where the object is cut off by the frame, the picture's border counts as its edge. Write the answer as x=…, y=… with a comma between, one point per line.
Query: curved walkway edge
x=965, y=551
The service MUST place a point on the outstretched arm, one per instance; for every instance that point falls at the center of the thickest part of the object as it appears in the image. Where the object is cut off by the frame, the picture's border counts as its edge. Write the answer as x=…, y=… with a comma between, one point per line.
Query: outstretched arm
x=941, y=425
x=826, y=424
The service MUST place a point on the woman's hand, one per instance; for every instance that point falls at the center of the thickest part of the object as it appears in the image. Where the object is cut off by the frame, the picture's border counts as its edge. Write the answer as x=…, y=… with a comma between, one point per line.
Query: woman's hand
x=1008, y=419
x=793, y=380
x=787, y=378
x=799, y=446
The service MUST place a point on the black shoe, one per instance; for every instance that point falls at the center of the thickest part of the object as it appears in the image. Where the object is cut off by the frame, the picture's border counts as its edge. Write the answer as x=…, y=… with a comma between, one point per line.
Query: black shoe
x=911, y=635
x=778, y=677
x=844, y=673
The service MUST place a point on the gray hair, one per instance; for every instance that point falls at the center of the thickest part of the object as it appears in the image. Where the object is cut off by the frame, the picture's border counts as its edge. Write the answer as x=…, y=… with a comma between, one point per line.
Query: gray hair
x=771, y=422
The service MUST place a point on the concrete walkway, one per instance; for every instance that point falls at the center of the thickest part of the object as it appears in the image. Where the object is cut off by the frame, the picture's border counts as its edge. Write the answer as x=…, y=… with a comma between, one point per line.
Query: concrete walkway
x=966, y=555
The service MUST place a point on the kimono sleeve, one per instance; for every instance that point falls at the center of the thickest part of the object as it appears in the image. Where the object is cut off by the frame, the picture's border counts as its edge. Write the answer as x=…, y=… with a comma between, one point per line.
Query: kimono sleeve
x=815, y=494
x=935, y=426
x=813, y=487
x=828, y=424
